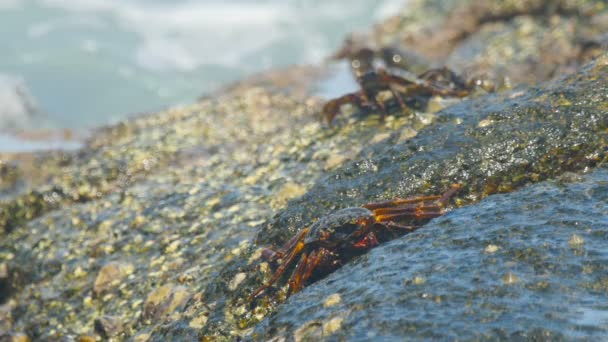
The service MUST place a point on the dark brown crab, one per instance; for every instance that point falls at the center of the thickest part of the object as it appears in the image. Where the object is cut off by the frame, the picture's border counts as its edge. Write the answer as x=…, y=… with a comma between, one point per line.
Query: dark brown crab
x=338, y=237
x=441, y=81
x=403, y=78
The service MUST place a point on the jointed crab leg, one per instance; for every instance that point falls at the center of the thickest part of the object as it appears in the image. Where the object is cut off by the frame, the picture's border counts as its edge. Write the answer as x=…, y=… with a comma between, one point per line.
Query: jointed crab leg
x=296, y=280
x=411, y=209
x=443, y=199
x=420, y=215
x=451, y=191
x=299, y=246
x=400, y=201
x=271, y=255
x=392, y=224
x=331, y=108
x=304, y=270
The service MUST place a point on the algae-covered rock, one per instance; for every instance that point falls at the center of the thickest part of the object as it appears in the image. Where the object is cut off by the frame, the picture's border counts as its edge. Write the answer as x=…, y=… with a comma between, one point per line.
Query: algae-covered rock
x=493, y=144
x=108, y=326
x=510, y=41
x=109, y=276
x=163, y=301
x=149, y=232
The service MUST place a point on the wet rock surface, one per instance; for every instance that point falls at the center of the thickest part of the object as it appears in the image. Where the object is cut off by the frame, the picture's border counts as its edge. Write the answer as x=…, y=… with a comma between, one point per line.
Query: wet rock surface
x=444, y=282
x=150, y=231
x=493, y=144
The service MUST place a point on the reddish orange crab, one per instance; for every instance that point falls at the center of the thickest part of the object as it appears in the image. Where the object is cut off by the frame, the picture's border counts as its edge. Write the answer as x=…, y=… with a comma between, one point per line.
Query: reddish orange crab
x=440, y=81
x=338, y=237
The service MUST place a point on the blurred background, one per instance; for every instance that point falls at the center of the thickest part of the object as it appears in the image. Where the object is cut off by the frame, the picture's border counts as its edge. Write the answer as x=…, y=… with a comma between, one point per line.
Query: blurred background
x=84, y=63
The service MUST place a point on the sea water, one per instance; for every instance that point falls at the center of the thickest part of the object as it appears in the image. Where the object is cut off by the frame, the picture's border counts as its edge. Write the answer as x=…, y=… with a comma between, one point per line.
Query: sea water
x=85, y=63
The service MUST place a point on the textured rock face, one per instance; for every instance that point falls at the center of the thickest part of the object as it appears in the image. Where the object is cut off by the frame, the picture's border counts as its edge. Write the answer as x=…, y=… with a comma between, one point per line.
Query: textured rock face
x=148, y=233
x=510, y=41
x=530, y=264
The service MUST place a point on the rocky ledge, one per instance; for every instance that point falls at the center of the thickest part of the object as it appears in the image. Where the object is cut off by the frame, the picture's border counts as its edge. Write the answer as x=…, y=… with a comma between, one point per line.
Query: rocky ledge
x=153, y=230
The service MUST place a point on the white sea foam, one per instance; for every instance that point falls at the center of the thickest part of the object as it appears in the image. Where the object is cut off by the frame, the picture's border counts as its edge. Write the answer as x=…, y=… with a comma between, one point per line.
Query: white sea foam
x=17, y=106
x=109, y=58
x=10, y=4
x=183, y=36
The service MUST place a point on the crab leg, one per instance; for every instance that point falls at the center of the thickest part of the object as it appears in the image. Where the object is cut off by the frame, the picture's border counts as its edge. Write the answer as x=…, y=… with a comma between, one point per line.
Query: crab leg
x=398, y=96
x=295, y=280
x=448, y=194
x=408, y=209
x=272, y=255
x=390, y=210
x=400, y=201
x=331, y=108
x=443, y=199
x=299, y=246
x=391, y=224
x=311, y=263
x=421, y=215
x=394, y=79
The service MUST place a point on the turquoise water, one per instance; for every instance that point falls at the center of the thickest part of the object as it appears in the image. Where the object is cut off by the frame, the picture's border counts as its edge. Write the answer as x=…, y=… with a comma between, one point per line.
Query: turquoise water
x=86, y=63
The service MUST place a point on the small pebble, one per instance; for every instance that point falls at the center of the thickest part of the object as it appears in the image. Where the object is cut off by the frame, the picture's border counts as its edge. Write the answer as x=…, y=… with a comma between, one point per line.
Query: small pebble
x=332, y=326
x=236, y=281
x=419, y=280
x=110, y=276
x=309, y=331
x=576, y=241
x=164, y=301
x=108, y=326
x=491, y=249
x=332, y=300
x=20, y=337
x=510, y=278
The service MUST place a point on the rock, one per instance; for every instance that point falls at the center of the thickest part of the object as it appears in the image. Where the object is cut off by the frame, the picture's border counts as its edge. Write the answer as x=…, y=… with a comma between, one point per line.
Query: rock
x=470, y=36
x=108, y=326
x=164, y=301
x=550, y=291
x=183, y=194
x=5, y=286
x=309, y=331
x=485, y=159
x=19, y=337
x=110, y=276
x=287, y=192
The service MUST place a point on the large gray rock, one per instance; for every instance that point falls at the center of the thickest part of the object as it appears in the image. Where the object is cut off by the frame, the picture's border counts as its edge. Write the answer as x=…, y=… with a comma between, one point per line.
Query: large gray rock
x=527, y=265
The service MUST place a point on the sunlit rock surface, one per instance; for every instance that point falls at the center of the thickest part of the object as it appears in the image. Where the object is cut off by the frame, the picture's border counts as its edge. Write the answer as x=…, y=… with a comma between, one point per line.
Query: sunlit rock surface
x=149, y=232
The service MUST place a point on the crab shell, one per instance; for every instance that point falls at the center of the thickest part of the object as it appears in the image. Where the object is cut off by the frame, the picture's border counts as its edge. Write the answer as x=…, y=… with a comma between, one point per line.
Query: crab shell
x=337, y=227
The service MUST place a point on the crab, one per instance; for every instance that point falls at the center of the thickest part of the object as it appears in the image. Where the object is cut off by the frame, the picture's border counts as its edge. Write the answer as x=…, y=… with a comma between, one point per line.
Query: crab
x=338, y=237
x=441, y=81
x=392, y=57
